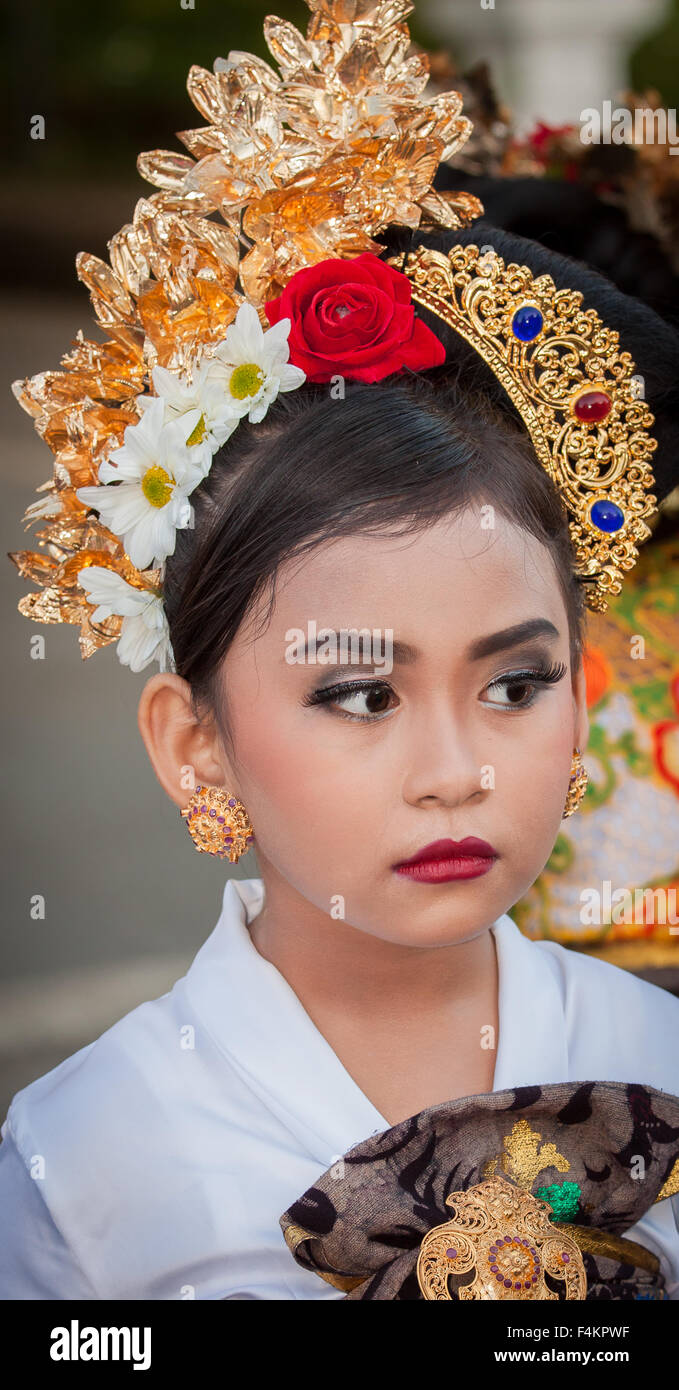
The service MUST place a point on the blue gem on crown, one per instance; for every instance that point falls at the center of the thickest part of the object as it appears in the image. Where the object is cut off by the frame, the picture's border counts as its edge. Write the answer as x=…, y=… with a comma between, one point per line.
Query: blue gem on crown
x=527, y=323
x=606, y=516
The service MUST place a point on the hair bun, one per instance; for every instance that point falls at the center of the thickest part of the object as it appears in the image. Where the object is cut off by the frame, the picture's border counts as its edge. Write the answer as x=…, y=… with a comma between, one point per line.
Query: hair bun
x=652, y=341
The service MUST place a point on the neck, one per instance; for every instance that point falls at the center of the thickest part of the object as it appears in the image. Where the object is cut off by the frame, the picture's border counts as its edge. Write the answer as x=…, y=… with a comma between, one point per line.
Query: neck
x=333, y=966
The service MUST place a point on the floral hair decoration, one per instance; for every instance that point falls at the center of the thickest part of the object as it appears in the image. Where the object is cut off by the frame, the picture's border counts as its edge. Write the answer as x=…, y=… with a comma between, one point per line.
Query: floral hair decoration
x=255, y=268
x=145, y=485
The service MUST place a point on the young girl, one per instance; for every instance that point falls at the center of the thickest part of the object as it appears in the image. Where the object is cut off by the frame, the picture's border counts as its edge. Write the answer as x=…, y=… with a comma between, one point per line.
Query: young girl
x=372, y=670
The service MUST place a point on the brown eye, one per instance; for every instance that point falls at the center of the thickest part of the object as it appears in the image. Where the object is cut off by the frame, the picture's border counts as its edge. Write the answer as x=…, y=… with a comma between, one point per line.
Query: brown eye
x=359, y=702
x=516, y=692
x=377, y=699
x=522, y=688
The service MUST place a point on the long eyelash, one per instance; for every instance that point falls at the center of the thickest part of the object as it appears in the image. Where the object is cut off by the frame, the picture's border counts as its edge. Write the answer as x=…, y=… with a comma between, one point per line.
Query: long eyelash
x=540, y=674
x=329, y=692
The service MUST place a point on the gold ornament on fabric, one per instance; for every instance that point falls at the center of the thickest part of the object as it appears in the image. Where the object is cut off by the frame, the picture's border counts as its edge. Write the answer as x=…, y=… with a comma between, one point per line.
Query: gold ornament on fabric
x=671, y=1183
x=577, y=785
x=523, y=1157
x=575, y=390
x=504, y=1236
x=218, y=823
x=294, y=1235
x=611, y=1246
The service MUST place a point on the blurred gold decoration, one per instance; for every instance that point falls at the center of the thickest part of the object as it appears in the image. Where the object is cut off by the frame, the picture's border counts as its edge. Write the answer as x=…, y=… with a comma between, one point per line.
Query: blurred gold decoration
x=638, y=175
x=293, y=167
x=488, y=150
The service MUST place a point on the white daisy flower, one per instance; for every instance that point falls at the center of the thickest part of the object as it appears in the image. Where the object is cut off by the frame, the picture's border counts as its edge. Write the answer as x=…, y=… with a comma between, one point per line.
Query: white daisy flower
x=144, y=635
x=215, y=422
x=252, y=365
x=156, y=472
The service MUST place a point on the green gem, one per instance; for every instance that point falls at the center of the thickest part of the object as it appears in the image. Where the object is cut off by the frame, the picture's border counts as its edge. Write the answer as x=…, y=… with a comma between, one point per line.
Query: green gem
x=564, y=1199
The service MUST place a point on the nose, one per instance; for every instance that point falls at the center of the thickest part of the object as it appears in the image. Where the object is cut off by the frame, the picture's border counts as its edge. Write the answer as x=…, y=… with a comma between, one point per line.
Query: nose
x=443, y=762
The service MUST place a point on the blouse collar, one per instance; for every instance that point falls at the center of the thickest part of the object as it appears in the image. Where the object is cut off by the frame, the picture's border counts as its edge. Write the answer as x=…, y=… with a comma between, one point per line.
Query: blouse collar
x=255, y=1019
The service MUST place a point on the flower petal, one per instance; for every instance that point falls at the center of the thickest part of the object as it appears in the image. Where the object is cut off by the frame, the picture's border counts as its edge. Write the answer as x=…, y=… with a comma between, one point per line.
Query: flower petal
x=110, y=591
x=275, y=341
x=138, y=644
x=289, y=377
x=242, y=341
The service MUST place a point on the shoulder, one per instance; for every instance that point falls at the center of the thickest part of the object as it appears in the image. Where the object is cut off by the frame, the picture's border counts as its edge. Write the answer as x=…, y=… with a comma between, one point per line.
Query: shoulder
x=126, y=1070
x=615, y=987
x=116, y=1141
x=622, y=1022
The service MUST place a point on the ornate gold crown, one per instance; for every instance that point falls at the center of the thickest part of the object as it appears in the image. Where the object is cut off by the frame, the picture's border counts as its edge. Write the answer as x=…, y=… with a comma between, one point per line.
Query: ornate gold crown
x=577, y=394
x=293, y=168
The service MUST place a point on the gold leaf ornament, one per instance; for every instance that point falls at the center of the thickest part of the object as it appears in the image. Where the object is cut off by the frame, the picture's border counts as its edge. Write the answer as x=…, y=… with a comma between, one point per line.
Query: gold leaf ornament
x=294, y=166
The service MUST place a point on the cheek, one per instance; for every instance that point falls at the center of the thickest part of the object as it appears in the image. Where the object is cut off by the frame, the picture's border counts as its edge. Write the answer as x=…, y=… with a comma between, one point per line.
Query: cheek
x=293, y=762
x=536, y=774
x=322, y=795
x=308, y=801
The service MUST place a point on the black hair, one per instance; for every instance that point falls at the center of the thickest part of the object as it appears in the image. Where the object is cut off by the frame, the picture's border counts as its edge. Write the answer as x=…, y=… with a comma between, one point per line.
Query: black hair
x=394, y=455
x=571, y=219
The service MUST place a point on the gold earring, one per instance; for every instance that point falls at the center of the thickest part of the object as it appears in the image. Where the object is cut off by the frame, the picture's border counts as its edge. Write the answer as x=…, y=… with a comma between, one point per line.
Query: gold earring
x=577, y=785
x=218, y=823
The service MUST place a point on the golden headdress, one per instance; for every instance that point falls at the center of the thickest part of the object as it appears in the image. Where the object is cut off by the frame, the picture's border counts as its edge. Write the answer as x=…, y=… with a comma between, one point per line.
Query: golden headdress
x=297, y=169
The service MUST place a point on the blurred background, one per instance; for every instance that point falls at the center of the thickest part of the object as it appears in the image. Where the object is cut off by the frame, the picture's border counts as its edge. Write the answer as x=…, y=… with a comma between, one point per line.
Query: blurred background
x=127, y=899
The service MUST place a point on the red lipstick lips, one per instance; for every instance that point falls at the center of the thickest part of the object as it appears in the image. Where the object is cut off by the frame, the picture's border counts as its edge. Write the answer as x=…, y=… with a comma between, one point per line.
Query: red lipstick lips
x=444, y=860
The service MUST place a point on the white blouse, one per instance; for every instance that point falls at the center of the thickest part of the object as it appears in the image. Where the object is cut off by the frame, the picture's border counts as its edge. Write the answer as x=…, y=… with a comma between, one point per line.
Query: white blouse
x=155, y=1163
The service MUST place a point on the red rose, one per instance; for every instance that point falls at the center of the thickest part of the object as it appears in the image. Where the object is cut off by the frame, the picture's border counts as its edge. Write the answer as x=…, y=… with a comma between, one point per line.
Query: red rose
x=354, y=318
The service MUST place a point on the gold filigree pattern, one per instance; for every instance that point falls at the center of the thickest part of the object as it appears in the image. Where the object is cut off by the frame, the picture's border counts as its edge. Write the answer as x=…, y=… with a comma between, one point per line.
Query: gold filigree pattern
x=218, y=823
x=572, y=354
x=504, y=1237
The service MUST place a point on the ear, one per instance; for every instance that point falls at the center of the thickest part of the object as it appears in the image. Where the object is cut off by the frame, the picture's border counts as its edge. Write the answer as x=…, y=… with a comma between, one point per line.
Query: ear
x=581, y=730
x=183, y=751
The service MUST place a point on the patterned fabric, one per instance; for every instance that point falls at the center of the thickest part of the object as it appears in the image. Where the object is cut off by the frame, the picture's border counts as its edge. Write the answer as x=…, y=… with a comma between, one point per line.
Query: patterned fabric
x=626, y=830
x=611, y=1144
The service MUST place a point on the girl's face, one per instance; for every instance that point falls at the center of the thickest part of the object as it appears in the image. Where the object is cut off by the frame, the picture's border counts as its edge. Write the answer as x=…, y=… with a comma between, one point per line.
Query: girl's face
x=348, y=769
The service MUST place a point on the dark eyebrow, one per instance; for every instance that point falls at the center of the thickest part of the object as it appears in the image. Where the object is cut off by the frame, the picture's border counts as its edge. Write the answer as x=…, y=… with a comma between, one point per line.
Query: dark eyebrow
x=510, y=637
x=406, y=654
x=401, y=651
